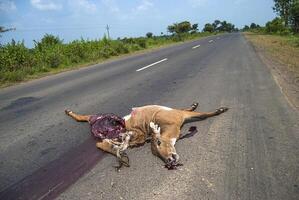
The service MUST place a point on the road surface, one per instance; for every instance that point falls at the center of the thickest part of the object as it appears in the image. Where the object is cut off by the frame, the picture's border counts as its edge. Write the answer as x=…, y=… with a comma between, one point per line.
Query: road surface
x=249, y=152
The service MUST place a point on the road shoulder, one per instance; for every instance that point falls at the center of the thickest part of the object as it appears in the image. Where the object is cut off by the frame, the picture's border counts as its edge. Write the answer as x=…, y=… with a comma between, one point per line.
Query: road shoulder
x=286, y=79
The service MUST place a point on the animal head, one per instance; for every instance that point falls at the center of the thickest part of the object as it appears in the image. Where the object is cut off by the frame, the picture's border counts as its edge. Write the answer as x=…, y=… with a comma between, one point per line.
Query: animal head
x=163, y=147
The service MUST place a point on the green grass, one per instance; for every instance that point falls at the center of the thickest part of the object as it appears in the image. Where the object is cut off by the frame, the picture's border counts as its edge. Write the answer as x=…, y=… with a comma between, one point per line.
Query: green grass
x=283, y=49
x=51, y=55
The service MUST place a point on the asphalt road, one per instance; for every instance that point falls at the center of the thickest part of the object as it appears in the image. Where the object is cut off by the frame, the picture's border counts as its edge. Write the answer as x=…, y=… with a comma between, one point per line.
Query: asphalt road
x=250, y=152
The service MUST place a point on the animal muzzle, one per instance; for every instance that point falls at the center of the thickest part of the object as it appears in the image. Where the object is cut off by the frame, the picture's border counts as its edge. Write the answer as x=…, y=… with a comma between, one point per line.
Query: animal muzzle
x=172, y=158
x=172, y=162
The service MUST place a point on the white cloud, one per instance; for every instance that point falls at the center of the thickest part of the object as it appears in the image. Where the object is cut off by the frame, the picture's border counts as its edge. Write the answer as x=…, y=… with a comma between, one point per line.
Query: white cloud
x=145, y=5
x=87, y=5
x=7, y=6
x=197, y=3
x=128, y=13
x=111, y=5
x=45, y=5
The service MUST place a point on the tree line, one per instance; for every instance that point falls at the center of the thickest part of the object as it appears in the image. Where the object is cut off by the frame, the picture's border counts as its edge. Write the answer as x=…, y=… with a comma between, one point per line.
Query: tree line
x=187, y=27
x=286, y=23
x=220, y=26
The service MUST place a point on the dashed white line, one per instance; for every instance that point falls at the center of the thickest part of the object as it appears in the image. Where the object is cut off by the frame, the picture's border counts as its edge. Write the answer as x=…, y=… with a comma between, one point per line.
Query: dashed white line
x=138, y=70
x=196, y=46
x=211, y=41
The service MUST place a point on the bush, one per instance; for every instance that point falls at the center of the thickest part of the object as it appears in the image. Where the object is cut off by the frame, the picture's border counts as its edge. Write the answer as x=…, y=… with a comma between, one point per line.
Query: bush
x=276, y=26
x=128, y=40
x=48, y=41
x=14, y=56
x=134, y=47
x=17, y=62
x=76, y=51
x=120, y=47
x=285, y=32
x=142, y=43
x=177, y=38
x=12, y=76
x=53, y=59
x=149, y=35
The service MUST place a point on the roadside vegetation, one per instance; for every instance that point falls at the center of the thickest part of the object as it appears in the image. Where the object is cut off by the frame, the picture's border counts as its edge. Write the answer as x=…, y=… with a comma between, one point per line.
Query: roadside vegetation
x=219, y=26
x=52, y=55
x=283, y=49
x=279, y=38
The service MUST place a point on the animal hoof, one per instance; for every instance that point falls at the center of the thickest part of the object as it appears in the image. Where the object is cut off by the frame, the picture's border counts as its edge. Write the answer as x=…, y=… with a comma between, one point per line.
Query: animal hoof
x=125, y=160
x=221, y=110
x=67, y=111
x=194, y=105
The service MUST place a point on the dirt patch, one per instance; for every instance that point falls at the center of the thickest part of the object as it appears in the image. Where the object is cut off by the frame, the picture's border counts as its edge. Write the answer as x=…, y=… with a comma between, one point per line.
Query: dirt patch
x=282, y=58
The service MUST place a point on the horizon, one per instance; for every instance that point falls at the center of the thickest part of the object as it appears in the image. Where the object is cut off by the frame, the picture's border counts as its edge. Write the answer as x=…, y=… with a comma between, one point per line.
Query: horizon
x=71, y=20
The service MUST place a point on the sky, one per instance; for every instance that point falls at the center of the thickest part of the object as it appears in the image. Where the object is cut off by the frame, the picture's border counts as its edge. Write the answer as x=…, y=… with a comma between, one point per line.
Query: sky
x=73, y=19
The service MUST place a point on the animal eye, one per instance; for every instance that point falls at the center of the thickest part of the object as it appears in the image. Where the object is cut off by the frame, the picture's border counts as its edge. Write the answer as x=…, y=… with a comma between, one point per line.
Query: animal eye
x=158, y=142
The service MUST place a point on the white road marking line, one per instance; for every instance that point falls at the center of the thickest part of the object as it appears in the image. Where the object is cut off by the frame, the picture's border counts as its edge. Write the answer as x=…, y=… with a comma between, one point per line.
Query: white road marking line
x=50, y=190
x=196, y=46
x=211, y=41
x=138, y=70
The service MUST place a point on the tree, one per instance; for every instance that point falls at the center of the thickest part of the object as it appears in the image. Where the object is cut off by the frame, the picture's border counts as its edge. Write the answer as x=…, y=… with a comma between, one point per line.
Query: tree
x=253, y=26
x=47, y=41
x=216, y=24
x=172, y=28
x=184, y=27
x=208, y=28
x=149, y=35
x=282, y=7
x=230, y=27
x=223, y=26
x=294, y=16
x=226, y=27
x=246, y=28
x=275, y=26
x=178, y=28
x=194, y=28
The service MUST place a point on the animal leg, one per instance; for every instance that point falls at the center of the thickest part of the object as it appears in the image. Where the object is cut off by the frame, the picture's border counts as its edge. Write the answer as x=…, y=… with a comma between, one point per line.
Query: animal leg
x=77, y=117
x=194, y=116
x=117, y=149
x=192, y=107
x=124, y=144
x=107, y=146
